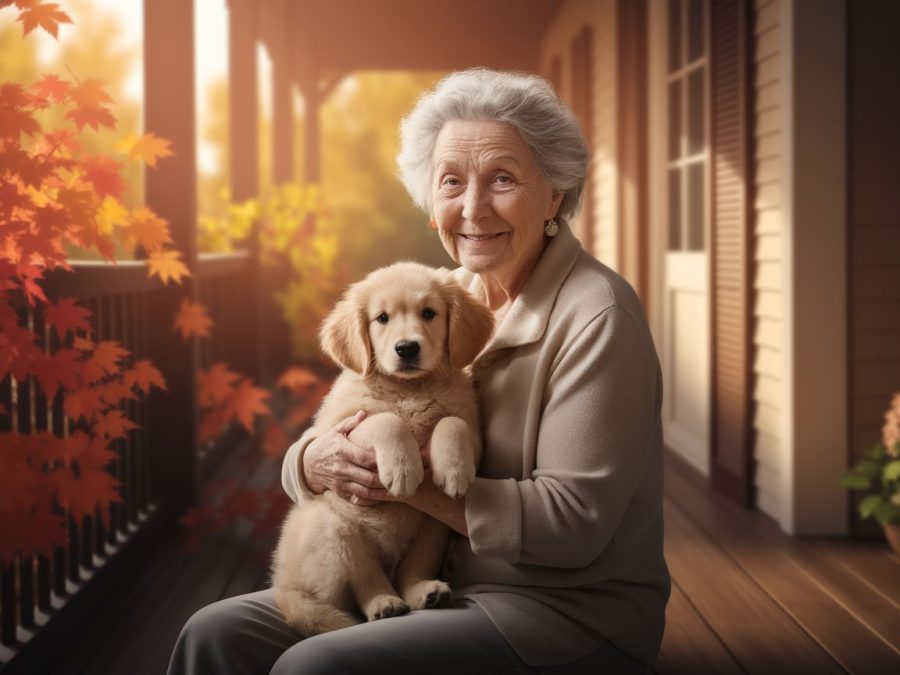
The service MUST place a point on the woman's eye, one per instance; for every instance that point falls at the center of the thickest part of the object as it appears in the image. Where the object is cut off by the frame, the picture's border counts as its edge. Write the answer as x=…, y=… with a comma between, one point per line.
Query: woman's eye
x=382, y=318
x=503, y=178
x=450, y=181
x=428, y=314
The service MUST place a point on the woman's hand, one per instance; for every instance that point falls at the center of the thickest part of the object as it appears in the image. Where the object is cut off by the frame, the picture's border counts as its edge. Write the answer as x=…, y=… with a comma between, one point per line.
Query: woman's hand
x=333, y=462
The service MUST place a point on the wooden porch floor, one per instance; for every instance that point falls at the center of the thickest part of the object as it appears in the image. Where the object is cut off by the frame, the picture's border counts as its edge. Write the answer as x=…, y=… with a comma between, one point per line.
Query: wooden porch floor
x=746, y=598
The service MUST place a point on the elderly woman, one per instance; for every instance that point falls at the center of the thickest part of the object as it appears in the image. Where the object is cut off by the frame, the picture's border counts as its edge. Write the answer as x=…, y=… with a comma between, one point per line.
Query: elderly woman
x=557, y=566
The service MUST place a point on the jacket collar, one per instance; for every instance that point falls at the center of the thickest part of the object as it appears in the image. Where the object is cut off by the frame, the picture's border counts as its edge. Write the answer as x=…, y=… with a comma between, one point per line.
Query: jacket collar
x=526, y=320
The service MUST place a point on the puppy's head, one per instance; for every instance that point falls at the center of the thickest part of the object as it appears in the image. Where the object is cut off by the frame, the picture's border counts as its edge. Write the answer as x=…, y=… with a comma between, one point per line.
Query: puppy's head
x=406, y=320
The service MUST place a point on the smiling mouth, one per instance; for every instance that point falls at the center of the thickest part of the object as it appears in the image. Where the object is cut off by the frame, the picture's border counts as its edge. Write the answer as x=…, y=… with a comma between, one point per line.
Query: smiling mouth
x=481, y=237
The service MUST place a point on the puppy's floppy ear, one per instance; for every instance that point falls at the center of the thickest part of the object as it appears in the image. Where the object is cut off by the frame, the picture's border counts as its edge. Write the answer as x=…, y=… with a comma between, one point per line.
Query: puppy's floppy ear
x=471, y=325
x=344, y=334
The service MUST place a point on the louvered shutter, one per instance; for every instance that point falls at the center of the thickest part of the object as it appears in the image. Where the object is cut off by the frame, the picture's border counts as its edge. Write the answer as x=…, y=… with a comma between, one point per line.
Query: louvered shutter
x=730, y=198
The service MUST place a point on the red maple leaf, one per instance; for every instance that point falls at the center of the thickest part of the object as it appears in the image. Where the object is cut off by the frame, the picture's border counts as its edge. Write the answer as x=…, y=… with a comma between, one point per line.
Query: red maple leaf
x=37, y=532
x=144, y=375
x=61, y=368
x=65, y=315
x=83, y=403
x=113, y=425
x=297, y=379
x=91, y=490
x=52, y=88
x=192, y=320
x=215, y=385
x=44, y=15
x=211, y=424
x=94, y=116
x=15, y=119
x=87, y=451
x=245, y=402
x=104, y=174
x=107, y=355
x=116, y=391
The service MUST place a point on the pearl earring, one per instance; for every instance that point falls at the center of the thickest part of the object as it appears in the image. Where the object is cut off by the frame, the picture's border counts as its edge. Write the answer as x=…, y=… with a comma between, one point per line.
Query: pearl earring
x=551, y=228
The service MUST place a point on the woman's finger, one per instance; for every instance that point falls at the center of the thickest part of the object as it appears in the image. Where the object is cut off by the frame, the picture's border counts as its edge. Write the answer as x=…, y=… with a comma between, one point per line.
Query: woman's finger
x=358, y=455
x=364, y=477
x=367, y=496
x=348, y=424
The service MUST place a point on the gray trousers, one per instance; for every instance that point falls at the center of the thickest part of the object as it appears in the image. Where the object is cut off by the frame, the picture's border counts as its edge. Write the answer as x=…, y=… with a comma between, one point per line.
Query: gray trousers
x=246, y=635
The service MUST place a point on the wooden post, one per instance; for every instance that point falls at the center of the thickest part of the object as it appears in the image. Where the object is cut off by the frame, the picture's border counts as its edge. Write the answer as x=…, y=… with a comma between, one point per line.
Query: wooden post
x=243, y=137
x=282, y=109
x=171, y=192
x=243, y=104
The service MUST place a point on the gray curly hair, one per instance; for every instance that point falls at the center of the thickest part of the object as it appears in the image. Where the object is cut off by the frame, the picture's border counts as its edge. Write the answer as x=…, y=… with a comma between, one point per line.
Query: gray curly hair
x=525, y=101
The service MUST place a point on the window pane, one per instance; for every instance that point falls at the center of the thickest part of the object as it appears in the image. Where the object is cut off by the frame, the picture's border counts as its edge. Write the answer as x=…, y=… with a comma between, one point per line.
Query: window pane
x=696, y=137
x=674, y=210
x=674, y=21
x=696, y=224
x=675, y=119
x=695, y=35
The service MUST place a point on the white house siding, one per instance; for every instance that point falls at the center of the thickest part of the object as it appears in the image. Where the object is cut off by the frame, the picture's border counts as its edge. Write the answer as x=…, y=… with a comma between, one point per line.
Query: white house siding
x=770, y=447
x=572, y=17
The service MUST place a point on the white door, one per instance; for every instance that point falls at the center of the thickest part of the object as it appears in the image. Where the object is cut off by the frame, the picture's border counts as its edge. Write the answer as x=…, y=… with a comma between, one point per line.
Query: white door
x=685, y=349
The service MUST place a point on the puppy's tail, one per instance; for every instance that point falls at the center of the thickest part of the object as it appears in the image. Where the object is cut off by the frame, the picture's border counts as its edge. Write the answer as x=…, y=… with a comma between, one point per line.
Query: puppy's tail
x=310, y=616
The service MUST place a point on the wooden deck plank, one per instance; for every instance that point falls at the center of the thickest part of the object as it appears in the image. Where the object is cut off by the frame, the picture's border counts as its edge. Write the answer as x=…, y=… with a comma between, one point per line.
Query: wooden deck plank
x=872, y=562
x=762, y=637
x=858, y=627
x=689, y=644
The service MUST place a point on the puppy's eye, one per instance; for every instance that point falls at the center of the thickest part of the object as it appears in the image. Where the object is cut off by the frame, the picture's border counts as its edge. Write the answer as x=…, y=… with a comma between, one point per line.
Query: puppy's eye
x=428, y=314
x=382, y=318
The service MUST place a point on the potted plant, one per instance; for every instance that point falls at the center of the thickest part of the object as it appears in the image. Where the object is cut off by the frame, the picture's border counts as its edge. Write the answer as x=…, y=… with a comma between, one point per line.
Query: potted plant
x=878, y=474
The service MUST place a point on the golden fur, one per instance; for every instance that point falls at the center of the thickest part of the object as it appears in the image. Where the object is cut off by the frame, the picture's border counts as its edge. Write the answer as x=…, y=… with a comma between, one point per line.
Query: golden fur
x=335, y=559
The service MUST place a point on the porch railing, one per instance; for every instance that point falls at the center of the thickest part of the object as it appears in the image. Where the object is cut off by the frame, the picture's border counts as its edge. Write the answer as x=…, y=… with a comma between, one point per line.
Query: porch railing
x=42, y=598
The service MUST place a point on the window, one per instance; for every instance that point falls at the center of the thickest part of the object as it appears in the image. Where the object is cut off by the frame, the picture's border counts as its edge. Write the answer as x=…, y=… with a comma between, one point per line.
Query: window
x=687, y=157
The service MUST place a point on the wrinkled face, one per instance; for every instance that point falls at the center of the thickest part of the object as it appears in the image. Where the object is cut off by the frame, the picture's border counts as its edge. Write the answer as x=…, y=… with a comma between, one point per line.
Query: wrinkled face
x=490, y=201
x=407, y=326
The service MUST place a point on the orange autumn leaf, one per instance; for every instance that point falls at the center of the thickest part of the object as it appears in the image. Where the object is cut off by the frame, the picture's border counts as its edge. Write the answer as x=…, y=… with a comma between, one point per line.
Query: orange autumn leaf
x=113, y=425
x=147, y=229
x=83, y=344
x=38, y=533
x=93, y=116
x=91, y=490
x=192, y=320
x=83, y=403
x=61, y=368
x=144, y=375
x=166, y=265
x=107, y=355
x=104, y=174
x=215, y=385
x=148, y=148
x=212, y=423
x=51, y=87
x=65, y=315
x=113, y=393
x=38, y=14
x=247, y=401
x=297, y=379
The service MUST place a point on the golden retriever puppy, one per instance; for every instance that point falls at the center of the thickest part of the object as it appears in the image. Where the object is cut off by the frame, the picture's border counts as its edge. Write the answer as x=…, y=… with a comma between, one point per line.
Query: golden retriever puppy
x=403, y=336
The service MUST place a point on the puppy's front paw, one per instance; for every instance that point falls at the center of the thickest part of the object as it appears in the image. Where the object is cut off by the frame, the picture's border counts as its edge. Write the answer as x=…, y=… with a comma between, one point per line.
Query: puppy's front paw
x=454, y=478
x=384, y=606
x=401, y=473
x=429, y=594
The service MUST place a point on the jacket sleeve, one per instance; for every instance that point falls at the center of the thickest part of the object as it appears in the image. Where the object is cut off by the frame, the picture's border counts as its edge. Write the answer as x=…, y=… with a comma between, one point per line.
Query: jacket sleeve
x=600, y=422
x=291, y=475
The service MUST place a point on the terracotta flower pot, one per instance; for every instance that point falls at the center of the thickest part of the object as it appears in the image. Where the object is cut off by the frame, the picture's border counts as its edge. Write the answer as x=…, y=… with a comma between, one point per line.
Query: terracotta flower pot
x=892, y=532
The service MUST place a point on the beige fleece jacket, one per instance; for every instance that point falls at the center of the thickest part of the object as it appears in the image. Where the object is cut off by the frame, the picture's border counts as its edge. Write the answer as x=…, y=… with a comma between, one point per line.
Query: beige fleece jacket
x=565, y=546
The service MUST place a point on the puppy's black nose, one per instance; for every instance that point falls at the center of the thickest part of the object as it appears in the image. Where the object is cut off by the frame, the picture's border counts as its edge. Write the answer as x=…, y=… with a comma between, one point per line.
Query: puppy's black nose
x=407, y=349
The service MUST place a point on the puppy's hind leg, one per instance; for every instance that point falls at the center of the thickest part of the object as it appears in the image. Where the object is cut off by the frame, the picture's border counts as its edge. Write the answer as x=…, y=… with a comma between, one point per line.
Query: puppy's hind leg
x=374, y=592
x=416, y=576
x=310, y=616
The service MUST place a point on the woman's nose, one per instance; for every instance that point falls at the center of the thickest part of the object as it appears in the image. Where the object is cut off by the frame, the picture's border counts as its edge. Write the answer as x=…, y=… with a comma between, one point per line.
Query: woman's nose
x=476, y=204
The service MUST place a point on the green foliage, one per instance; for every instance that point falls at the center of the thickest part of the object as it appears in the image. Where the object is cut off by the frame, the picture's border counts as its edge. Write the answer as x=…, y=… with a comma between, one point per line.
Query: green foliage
x=877, y=472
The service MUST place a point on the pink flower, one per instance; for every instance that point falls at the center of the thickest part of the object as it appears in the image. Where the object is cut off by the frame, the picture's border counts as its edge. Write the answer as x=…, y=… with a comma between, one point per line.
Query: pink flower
x=890, y=432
